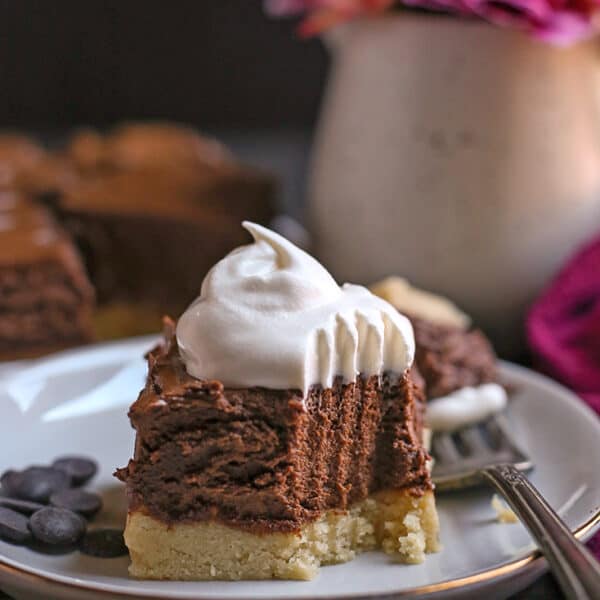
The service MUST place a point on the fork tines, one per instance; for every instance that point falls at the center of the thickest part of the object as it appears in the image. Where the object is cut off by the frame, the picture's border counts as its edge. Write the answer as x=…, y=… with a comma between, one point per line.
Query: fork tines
x=460, y=455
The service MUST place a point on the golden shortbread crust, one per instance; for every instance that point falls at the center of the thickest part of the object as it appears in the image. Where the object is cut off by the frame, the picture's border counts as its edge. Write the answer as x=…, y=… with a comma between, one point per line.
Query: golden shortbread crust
x=403, y=526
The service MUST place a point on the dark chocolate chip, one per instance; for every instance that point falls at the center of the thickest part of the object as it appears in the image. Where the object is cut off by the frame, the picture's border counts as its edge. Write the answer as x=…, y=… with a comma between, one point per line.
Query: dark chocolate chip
x=79, y=468
x=84, y=503
x=57, y=526
x=10, y=480
x=22, y=506
x=37, y=484
x=104, y=543
x=13, y=526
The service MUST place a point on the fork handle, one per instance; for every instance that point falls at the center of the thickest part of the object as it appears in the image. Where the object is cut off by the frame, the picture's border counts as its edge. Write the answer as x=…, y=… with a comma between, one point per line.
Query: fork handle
x=577, y=571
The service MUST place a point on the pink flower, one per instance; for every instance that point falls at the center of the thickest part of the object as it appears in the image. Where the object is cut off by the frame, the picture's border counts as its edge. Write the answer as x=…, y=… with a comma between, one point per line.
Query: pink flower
x=323, y=14
x=563, y=326
x=557, y=21
x=449, y=6
x=282, y=8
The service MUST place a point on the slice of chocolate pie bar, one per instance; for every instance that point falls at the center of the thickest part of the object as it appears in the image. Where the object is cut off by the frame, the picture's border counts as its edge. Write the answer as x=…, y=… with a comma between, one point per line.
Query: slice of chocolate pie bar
x=279, y=428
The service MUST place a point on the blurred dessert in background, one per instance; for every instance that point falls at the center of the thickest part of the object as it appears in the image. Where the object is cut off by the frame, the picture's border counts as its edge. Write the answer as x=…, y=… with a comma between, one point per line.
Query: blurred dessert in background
x=149, y=235
x=134, y=145
x=17, y=154
x=47, y=179
x=155, y=206
x=46, y=299
x=419, y=303
x=29, y=168
x=149, y=207
x=456, y=361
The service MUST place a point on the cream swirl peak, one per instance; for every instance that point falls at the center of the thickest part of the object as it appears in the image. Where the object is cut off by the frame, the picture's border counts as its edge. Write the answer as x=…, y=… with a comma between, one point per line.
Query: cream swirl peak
x=270, y=315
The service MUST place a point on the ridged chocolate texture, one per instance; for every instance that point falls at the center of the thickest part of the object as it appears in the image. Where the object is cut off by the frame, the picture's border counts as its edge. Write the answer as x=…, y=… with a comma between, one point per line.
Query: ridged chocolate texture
x=265, y=460
x=450, y=358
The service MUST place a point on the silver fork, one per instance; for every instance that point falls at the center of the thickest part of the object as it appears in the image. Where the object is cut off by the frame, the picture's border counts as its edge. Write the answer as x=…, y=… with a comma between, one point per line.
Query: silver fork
x=488, y=453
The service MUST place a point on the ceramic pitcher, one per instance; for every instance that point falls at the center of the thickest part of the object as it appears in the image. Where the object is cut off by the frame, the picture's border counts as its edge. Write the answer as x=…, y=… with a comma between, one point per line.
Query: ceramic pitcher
x=459, y=155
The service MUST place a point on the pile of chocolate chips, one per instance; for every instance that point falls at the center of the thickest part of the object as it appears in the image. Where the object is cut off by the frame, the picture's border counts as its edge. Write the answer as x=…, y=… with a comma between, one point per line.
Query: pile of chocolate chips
x=45, y=507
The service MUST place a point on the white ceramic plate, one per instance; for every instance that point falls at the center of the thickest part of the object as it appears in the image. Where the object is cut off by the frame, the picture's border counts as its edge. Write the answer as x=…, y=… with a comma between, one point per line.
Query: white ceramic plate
x=77, y=402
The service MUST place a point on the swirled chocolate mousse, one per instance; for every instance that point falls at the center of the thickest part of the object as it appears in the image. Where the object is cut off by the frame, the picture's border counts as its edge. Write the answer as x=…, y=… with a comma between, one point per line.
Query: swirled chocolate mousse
x=457, y=362
x=278, y=429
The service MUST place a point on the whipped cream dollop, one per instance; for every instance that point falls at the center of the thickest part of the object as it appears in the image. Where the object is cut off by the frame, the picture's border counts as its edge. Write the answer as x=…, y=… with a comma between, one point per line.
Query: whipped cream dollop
x=270, y=315
x=466, y=406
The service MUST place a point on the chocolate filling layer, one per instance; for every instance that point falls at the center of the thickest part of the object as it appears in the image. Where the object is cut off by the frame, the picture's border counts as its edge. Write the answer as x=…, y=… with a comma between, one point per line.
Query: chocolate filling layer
x=449, y=358
x=265, y=460
x=45, y=297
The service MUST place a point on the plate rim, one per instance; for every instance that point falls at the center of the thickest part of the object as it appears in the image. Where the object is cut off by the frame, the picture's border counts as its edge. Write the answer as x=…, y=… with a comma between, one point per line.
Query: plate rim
x=528, y=563
x=520, y=565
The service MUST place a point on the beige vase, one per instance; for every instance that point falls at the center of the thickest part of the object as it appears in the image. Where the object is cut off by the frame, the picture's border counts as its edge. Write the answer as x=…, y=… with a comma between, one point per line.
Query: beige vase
x=460, y=155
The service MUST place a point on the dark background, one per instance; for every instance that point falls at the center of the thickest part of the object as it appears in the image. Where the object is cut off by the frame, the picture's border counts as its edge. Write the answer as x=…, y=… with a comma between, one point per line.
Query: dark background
x=214, y=63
